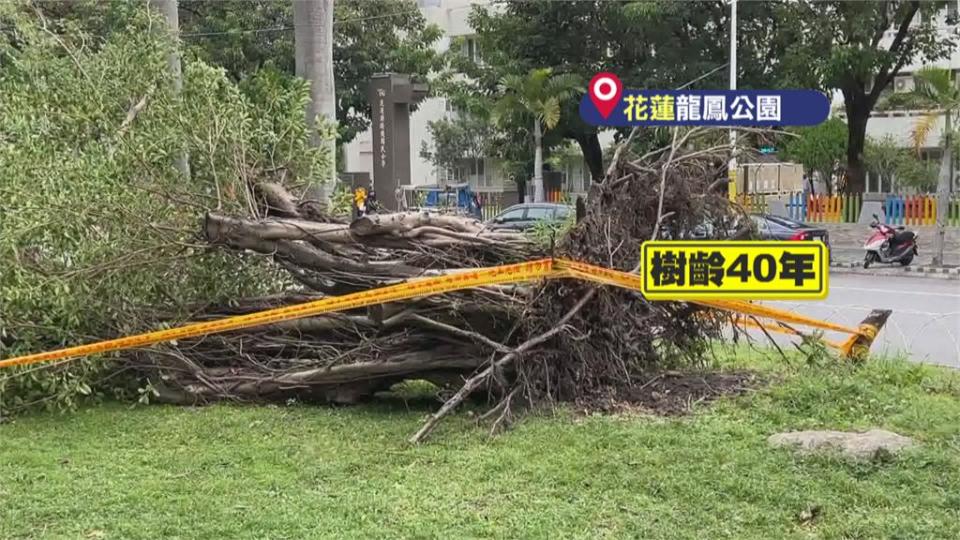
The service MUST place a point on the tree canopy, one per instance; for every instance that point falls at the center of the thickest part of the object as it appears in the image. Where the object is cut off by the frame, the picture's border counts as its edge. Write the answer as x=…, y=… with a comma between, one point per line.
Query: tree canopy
x=937, y=87
x=370, y=36
x=819, y=148
x=97, y=225
x=536, y=96
x=648, y=44
x=454, y=140
x=858, y=48
x=898, y=167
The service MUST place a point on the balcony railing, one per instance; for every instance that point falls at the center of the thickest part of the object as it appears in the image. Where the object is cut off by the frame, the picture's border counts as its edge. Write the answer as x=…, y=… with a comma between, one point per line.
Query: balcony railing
x=895, y=113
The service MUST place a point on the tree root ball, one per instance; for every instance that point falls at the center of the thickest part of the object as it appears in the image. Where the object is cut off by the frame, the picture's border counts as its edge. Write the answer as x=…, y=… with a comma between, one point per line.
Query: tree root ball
x=558, y=340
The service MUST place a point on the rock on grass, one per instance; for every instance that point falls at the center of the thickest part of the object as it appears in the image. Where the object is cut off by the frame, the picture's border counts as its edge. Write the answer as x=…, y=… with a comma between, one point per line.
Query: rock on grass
x=867, y=445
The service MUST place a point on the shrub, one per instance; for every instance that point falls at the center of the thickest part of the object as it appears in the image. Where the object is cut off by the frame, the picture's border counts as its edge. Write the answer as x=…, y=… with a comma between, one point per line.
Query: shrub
x=98, y=231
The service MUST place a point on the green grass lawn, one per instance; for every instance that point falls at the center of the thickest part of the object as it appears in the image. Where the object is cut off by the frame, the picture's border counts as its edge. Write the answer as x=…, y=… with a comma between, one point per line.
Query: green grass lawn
x=306, y=472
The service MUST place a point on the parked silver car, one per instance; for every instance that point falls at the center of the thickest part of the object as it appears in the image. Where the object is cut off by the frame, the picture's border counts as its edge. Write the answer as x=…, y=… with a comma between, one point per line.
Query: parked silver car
x=521, y=217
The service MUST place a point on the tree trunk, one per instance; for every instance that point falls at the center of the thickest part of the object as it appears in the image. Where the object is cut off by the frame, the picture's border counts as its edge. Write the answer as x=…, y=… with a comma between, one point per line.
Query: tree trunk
x=592, y=155
x=169, y=10
x=521, y=184
x=538, y=194
x=857, y=115
x=313, y=33
x=943, y=192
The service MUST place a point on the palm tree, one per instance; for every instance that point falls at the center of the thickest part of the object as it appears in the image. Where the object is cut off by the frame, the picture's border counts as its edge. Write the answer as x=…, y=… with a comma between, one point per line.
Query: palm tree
x=539, y=95
x=939, y=86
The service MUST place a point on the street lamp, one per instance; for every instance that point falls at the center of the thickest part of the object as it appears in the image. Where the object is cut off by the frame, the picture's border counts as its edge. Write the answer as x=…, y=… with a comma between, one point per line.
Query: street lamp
x=732, y=169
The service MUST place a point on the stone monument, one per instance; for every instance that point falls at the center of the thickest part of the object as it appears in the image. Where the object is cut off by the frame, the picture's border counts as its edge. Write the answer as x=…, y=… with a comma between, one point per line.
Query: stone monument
x=391, y=96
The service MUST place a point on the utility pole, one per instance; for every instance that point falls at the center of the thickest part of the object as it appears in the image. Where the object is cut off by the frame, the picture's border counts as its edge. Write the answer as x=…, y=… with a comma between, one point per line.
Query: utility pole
x=944, y=184
x=732, y=169
x=169, y=10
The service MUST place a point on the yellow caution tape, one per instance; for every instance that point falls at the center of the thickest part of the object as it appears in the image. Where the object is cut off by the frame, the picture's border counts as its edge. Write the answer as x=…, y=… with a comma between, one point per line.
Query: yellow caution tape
x=627, y=280
x=511, y=273
x=415, y=288
x=757, y=310
x=750, y=323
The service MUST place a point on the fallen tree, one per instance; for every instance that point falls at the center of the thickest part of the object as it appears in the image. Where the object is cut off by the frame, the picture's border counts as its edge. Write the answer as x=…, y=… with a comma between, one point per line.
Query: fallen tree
x=521, y=344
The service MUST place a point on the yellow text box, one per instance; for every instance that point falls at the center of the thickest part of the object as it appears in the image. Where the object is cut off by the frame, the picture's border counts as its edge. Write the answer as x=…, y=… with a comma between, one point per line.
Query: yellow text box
x=748, y=270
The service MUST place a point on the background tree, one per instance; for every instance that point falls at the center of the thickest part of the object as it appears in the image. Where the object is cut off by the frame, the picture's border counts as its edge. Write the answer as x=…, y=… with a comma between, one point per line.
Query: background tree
x=564, y=157
x=370, y=36
x=649, y=44
x=818, y=149
x=454, y=140
x=895, y=166
x=938, y=86
x=881, y=159
x=510, y=139
x=845, y=45
x=537, y=97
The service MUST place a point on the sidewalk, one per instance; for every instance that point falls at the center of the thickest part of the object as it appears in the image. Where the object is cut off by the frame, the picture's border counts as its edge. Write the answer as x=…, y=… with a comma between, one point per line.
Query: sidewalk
x=846, y=253
x=914, y=270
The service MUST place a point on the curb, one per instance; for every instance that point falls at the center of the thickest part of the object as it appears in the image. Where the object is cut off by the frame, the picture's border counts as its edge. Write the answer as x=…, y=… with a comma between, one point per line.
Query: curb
x=905, y=271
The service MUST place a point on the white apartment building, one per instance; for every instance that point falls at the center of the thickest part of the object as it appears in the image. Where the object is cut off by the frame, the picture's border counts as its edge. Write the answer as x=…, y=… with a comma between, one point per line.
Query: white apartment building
x=452, y=16
x=899, y=124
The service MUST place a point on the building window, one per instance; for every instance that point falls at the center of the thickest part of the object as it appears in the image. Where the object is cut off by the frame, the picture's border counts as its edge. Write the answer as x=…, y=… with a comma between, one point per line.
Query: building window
x=476, y=167
x=471, y=49
x=582, y=181
x=450, y=175
x=476, y=172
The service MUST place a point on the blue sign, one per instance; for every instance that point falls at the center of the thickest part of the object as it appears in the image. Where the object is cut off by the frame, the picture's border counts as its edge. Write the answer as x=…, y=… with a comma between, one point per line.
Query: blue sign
x=760, y=108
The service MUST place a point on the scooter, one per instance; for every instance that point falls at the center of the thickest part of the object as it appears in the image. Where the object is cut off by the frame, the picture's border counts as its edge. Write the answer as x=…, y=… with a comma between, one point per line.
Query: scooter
x=889, y=245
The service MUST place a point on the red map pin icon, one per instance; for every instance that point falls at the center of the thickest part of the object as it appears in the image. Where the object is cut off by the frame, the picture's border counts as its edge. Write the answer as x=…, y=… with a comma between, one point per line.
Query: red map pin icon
x=605, y=92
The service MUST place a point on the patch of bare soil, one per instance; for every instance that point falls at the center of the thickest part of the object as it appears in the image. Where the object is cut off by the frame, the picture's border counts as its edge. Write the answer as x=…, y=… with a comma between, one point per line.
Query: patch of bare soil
x=672, y=393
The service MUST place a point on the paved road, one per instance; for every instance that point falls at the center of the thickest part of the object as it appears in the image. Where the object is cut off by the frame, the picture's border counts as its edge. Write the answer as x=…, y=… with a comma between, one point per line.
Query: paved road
x=926, y=313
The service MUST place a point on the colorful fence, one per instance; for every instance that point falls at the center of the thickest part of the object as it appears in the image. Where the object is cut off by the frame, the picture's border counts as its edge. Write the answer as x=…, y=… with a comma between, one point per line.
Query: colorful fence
x=917, y=210
x=825, y=208
x=557, y=196
x=491, y=204
x=754, y=203
x=552, y=194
